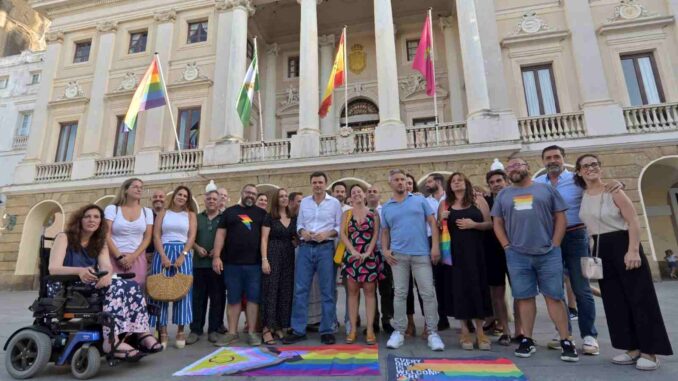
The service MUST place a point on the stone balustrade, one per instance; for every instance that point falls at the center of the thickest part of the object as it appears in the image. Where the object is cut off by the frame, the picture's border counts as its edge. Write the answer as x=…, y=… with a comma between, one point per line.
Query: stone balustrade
x=269, y=150
x=116, y=166
x=188, y=160
x=447, y=134
x=652, y=118
x=20, y=142
x=552, y=127
x=47, y=173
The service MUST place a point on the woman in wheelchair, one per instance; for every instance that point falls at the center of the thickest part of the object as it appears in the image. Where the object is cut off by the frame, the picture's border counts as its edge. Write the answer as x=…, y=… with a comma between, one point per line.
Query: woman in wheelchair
x=81, y=250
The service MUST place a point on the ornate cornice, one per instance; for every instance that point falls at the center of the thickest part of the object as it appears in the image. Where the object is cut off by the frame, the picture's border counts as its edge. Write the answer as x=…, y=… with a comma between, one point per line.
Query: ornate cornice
x=326, y=39
x=107, y=26
x=169, y=15
x=227, y=5
x=446, y=22
x=54, y=37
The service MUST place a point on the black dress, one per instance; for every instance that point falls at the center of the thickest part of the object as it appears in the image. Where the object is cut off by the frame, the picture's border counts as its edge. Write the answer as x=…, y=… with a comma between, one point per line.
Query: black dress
x=467, y=294
x=278, y=286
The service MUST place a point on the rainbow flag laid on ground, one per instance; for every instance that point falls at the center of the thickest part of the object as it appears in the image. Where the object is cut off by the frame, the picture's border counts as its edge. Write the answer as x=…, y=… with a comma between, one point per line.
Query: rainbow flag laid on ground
x=288, y=361
x=467, y=369
x=149, y=94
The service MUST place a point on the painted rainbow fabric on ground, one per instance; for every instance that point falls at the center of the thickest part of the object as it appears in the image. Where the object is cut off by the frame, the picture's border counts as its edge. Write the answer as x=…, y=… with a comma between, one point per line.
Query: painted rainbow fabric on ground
x=323, y=361
x=467, y=369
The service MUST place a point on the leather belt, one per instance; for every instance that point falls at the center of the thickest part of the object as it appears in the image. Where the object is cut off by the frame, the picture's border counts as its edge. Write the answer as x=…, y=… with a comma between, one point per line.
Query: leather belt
x=575, y=227
x=314, y=243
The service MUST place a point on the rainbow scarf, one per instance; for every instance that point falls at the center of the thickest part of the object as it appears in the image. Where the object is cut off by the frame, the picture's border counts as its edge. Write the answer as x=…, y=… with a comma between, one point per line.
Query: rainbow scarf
x=445, y=242
x=469, y=369
x=149, y=94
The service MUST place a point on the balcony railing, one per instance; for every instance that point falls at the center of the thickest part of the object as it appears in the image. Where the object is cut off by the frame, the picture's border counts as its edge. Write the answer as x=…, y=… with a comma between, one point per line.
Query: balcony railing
x=328, y=145
x=117, y=166
x=189, y=160
x=448, y=134
x=552, y=127
x=269, y=150
x=47, y=173
x=652, y=118
x=364, y=141
x=20, y=142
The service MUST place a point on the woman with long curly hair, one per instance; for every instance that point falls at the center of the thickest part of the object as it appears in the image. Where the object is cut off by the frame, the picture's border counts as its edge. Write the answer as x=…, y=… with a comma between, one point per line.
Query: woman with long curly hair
x=81, y=250
x=173, y=236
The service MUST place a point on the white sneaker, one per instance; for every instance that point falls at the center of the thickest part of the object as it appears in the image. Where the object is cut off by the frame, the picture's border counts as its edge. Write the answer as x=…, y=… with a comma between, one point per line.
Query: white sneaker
x=625, y=359
x=647, y=364
x=396, y=340
x=435, y=343
x=590, y=346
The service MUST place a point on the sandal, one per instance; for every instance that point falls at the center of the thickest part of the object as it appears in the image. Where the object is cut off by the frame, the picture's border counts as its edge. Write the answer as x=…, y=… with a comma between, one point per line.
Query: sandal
x=164, y=337
x=466, y=341
x=155, y=347
x=370, y=339
x=180, y=341
x=268, y=338
x=127, y=357
x=350, y=339
x=504, y=340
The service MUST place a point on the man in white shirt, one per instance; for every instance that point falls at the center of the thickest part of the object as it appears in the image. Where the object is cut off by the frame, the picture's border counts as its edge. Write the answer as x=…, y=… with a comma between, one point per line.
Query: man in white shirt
x=318, y=225
x=436, y=189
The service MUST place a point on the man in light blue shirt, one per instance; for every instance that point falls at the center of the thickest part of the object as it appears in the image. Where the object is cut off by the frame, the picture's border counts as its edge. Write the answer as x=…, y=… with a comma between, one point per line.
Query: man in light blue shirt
x=406, y=248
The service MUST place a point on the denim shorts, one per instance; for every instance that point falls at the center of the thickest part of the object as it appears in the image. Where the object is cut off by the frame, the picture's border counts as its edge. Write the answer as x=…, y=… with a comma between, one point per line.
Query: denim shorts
x=531, y=274
x=241, y=279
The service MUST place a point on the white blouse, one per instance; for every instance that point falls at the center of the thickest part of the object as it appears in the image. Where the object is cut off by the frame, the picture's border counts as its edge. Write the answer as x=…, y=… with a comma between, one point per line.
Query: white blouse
x=127, y=235
x=600, y=214
x=174, y=227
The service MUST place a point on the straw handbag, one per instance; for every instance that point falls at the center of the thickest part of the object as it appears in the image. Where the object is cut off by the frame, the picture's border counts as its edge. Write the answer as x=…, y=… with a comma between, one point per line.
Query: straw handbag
x=168, y=288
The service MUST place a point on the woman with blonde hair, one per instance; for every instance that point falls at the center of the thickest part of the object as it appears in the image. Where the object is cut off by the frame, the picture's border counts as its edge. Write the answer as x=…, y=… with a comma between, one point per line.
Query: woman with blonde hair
x=173, y=236
x=130, y=230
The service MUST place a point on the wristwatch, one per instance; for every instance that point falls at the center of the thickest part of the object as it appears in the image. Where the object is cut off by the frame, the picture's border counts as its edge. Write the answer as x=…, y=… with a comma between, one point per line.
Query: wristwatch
x=184, y=252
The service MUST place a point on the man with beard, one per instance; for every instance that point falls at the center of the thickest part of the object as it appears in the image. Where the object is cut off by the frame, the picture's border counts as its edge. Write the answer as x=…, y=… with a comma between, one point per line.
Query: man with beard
x=238, y=242
x=529, y=221
x=318, y=225
x=158, y=205
x=406, y=248
x=436, y=190
x=575, y=243
x=339, y=192
x=495, y=259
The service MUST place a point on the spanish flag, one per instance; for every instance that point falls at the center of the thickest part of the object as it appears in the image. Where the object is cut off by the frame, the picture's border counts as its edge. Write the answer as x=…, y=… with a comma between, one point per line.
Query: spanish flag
x=337, y=76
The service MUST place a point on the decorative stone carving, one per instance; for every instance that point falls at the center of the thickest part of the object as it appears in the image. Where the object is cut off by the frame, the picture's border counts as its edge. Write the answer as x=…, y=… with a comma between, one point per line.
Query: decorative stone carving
x=415, y=84
x=73, y=90
x=227, y=5
x=129, y=82
x=357, y=88
x=326, y=39
x=191, y=72
x=446, y=22
x=346, y=141
x=169, y=15
x=272, y=49
x=630, y=10
x=357, y=59
x=292, y=98
x=531, y=24
x=54, y=37
x=107, y=26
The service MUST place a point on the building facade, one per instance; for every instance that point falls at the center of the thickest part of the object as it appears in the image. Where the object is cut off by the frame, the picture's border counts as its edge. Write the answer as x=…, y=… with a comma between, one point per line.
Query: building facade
x=512, y=76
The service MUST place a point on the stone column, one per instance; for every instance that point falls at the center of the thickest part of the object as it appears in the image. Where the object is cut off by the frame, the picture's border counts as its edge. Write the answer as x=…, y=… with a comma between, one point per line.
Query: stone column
x=230, y=133
x=602, y=115
x=455, y=74
x=306, y=143
x=270, y=90
x=25, y=171
x=84, y=166
x=673, y=10
x=328, y=123
x=390, y=133
x=157, y=120
x=489, y=115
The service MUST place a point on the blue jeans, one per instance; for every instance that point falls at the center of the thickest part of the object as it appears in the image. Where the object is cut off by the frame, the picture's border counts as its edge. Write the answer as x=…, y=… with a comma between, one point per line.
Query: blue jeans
x=531, y=274
x=312, y=259
x=575, y=245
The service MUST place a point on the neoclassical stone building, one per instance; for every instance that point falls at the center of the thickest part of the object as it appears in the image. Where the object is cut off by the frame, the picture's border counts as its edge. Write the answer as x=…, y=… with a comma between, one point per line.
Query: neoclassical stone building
x=512, y=76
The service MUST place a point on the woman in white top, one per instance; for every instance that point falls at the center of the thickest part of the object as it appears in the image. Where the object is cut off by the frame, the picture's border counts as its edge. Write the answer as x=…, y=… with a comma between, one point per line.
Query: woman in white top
x=631, y=307
x=130, y=230
x=173, y=236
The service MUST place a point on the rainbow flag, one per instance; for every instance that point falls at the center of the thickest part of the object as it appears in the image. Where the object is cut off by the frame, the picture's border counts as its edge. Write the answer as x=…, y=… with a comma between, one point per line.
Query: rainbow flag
x=149, y=94
x=467, y=369
x=337, y=77
x=446, y=245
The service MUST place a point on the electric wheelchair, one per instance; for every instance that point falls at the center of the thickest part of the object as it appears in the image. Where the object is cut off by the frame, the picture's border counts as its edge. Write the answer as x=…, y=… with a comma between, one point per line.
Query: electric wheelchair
x=67, y=328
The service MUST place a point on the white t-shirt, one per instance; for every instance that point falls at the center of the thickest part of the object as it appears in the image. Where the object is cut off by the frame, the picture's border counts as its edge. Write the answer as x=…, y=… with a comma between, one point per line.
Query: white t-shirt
x=127, y=235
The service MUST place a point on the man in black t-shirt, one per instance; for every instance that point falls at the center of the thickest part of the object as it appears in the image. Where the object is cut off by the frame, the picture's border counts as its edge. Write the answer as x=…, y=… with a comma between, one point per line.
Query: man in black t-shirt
x=238, y=241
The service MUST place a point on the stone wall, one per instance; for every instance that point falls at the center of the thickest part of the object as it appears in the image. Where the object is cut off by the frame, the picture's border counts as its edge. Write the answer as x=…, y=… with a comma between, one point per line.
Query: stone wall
x=622, y=164
x=21, y=28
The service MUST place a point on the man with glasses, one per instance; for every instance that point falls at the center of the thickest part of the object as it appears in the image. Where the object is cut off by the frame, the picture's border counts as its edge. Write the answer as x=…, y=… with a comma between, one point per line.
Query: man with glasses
x=529, y=222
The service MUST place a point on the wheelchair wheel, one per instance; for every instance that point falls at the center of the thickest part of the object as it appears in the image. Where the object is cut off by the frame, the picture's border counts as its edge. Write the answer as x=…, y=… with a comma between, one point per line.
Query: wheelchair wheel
x=85, y=363
x=27, y=354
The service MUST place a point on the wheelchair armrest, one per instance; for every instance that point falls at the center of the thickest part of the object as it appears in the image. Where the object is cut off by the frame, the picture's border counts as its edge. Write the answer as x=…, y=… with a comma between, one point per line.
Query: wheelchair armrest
x=62, y=278
x=125, y=275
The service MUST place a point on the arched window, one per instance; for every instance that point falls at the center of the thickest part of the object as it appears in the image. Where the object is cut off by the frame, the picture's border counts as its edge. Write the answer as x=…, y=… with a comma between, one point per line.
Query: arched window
x=362, y=114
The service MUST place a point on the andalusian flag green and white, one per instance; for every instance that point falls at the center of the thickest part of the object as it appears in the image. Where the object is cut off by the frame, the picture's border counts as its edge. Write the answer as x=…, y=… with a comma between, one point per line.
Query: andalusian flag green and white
x=249, y=86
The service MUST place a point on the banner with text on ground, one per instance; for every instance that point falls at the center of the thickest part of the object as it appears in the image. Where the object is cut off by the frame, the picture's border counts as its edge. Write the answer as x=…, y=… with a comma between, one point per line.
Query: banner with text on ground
x=440, y=369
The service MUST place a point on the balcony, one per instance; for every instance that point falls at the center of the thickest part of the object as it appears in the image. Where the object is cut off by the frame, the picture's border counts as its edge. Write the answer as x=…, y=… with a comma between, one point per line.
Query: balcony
x=447, y=134
x=20, y=142
x=347, y=142
x=188, y=160
x=552, y=127
x=651, y=118
x=265, y=151
x=117, y=166
x=48, y=173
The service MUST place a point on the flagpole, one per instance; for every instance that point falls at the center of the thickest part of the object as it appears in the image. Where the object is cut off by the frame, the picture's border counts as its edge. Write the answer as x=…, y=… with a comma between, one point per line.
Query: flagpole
x=433, y=65
x=261, y=119
x=169, y=107
x=345, y=77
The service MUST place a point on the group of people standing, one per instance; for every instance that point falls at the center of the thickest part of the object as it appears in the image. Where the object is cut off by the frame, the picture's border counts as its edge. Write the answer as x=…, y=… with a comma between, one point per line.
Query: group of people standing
x=277, y=259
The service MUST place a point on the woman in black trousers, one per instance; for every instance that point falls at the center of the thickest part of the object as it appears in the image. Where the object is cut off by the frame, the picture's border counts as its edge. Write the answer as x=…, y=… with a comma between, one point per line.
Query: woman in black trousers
x=631, y=306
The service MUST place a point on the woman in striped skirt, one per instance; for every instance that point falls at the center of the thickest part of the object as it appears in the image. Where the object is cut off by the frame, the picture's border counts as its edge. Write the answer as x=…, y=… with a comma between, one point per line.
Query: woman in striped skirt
x=173, y=235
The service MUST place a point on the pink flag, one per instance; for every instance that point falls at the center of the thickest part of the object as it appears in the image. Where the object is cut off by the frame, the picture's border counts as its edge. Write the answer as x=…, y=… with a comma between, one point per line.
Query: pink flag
x=423, y=60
